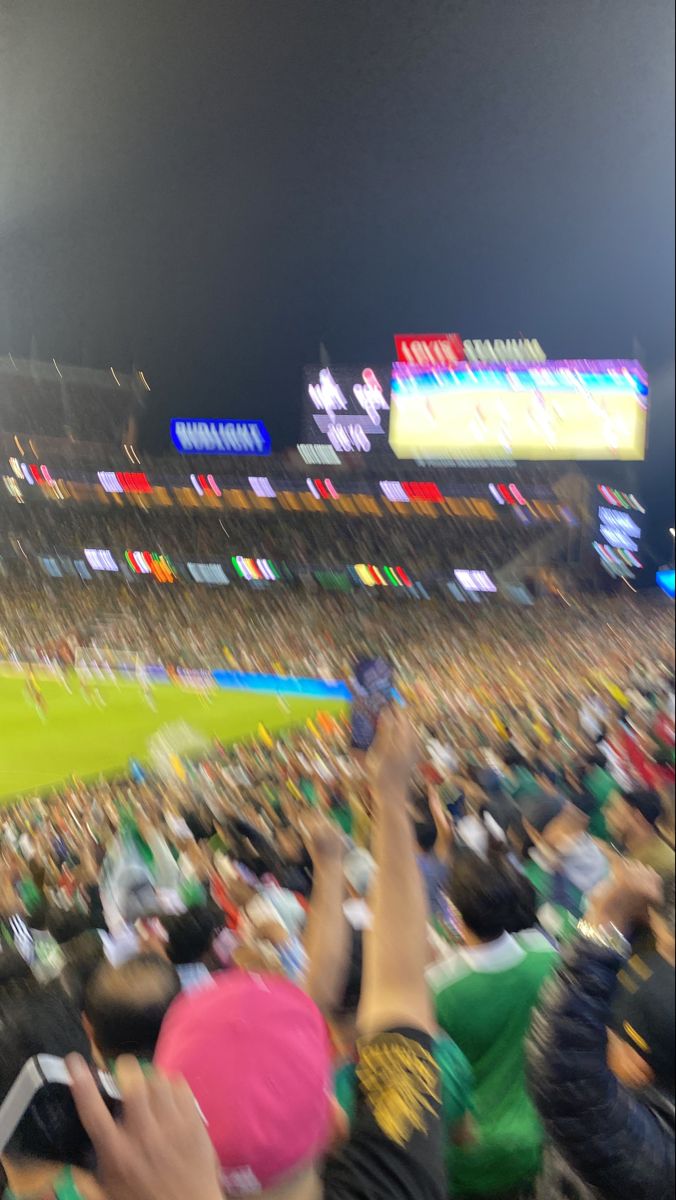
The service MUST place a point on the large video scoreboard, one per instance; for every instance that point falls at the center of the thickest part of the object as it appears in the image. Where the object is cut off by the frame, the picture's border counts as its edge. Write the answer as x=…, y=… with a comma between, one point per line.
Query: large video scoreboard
x=469, y=411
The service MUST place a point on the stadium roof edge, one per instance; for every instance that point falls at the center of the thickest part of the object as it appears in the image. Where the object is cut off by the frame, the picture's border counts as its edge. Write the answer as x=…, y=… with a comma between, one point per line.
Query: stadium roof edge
x=100, y=376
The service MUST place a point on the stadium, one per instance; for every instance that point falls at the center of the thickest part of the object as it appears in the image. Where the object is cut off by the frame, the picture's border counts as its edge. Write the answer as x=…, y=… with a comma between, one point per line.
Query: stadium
x=118, y=565
x=337, y=662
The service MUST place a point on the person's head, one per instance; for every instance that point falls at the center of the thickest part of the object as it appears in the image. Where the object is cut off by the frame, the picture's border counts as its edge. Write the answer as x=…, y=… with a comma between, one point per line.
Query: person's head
x=13, y=965
x=37, y=914
x=425, y=835
x=512, y=757
x=36, y=1020
x=634, y=816
x=66, y=924
x=83, y=955
x=488, y=896
x=553, y=824
x=38, y=873
x=190, y=935
x=125, y=1006
x=534, y=818
x=255, y=1051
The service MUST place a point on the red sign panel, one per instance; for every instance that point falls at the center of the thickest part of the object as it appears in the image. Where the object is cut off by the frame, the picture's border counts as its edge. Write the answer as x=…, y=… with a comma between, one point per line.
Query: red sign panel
x=429, y=349
x=428, y=492
x=133, y=481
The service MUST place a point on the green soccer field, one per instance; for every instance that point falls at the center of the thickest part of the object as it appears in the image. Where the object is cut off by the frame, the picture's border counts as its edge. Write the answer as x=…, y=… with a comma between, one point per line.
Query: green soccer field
x=79, y=739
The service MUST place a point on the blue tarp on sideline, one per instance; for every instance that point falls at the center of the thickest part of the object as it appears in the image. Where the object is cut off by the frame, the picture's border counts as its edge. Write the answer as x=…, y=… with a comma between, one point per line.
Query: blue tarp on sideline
x=320, y=689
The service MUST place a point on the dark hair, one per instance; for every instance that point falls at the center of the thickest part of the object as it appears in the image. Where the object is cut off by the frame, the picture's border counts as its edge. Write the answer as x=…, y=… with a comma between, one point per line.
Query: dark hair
x=425, y=836
x=646, y=802
x=37, y=917
x=35, y=1020
x=526, y=905
x=126, y=1005
x=83, y=955
x=594, y=759
x=38, y=873
x=502, y=809
x=541, y=810
x=13, y=965
x=191, y=934
x=512, y=757
x=65, y=925
x=488, y=894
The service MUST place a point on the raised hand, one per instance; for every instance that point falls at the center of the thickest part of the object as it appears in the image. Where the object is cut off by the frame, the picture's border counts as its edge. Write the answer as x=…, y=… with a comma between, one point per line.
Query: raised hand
x=395, y=752
x=324, y=840
x=160, y=1148
x=625, y=899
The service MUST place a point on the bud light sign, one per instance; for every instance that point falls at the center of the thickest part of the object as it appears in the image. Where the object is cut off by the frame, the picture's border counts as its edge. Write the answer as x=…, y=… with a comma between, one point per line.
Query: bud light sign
x=220, y=437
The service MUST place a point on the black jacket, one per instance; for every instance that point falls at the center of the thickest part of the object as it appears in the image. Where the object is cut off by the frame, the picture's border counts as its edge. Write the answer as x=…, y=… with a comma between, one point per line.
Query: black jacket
x=607, y=1142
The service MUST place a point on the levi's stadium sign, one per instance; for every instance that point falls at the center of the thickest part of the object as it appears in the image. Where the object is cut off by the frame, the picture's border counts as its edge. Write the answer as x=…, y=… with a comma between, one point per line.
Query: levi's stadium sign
x=426, y=349
x=446, y=349
x=509, y=350
x=220, y=437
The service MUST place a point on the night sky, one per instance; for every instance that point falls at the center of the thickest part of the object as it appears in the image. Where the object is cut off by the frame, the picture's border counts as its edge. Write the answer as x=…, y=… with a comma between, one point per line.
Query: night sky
x=209, y=188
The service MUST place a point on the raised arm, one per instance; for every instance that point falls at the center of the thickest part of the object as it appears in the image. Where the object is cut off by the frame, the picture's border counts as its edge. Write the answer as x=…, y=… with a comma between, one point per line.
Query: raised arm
x=327, y=941
x=605, y=1132
x=394, y=993
x=443, y=825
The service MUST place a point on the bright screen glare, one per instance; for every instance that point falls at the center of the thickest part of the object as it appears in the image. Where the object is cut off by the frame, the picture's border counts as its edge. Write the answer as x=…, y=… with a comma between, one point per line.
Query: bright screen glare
x=559, y=410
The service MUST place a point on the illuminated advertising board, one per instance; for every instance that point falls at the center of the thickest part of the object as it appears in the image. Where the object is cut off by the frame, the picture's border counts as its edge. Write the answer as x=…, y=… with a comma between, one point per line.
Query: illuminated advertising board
x=207, y=572
x=100, y=560
x=145, y=562
x=619, y=534
x=375, y=576
x=503, y=350
x=256, y=570
x=557, y=410
x=429, y=349
x=347, y=408
x=219, y=437
x=318, y=454
x=433, y=349
x=475, y=581
x=124, y=481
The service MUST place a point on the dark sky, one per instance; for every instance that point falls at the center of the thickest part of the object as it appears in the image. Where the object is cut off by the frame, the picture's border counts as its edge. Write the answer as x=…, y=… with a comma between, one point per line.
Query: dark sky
x=210, y=187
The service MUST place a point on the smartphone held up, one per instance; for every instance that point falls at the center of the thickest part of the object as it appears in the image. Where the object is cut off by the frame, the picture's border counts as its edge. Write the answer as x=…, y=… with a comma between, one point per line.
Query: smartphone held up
x=372, y=690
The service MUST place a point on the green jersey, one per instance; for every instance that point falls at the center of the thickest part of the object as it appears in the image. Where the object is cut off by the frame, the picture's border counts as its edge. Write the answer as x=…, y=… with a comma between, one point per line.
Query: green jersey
x=64, y=1188
x=484, y=999
x=600, y=786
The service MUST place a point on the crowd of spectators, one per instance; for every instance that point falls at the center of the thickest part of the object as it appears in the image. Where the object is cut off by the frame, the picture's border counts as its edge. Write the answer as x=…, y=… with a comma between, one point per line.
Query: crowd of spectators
x=445, y=967
x=327, y=538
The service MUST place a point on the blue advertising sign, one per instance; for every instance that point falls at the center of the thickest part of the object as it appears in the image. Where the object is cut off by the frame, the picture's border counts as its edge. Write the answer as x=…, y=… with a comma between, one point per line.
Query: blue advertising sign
x=219, y=437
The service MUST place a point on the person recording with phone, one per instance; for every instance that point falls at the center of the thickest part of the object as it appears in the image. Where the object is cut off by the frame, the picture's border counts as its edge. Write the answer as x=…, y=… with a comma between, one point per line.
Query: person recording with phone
x=46, y=1153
